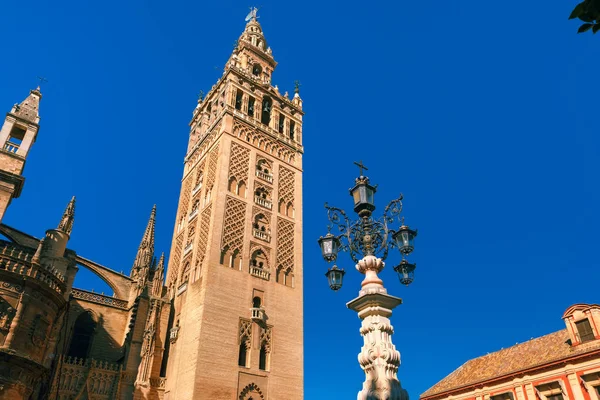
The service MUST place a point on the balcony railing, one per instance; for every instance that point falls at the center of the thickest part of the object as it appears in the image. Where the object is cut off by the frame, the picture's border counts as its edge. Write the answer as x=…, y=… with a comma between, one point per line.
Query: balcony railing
x=159, y=383
x=262, y=235
x=260, y=273
x=197, y=188
x=264, y=176
x=11, y=147
x=173, y=334
x=193, y=214
x=258, y=314
x=182, y=288
x=263, y=202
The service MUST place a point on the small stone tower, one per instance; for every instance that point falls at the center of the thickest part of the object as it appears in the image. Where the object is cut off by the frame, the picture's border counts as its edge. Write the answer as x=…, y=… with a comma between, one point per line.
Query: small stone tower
x=235, y=268
x=18, y=133
x=33, y=297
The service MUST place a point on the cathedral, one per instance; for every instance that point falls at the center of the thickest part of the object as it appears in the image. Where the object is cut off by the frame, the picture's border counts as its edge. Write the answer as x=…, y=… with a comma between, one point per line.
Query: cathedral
x=222, y=319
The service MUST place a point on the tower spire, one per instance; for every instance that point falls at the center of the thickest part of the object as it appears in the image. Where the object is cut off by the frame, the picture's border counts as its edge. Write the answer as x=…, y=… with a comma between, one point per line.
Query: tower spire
x=29, y=108
x=18, y=133
x=143, y=258
x=66, y=223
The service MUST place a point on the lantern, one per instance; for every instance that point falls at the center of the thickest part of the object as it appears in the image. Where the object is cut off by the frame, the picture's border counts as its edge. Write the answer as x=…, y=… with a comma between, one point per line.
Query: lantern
x=364, y=196
x=335, y=277
x=406, y=272
x=405, y=239
x=330, y=246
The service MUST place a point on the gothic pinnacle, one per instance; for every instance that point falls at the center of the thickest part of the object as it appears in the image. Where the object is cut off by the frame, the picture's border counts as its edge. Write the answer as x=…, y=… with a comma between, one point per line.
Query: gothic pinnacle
x=145, y=252
x=148, y=239
x=161, y=262
x=66, y=223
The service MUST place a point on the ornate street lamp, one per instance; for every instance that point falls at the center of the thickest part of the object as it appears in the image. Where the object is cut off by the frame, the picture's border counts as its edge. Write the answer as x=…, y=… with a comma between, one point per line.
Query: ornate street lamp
x=335, y=277
x=368, y=241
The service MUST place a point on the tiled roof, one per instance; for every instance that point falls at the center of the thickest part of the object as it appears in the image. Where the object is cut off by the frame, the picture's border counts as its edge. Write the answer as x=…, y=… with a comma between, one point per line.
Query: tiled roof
x=533, y=353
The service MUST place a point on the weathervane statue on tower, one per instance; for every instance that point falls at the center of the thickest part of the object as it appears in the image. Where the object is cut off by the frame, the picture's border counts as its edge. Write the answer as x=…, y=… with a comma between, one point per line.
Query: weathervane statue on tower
x=252, y=16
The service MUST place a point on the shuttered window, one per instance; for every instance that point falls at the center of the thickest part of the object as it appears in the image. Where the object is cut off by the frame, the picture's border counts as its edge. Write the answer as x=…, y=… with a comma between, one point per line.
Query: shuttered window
x=585, y=330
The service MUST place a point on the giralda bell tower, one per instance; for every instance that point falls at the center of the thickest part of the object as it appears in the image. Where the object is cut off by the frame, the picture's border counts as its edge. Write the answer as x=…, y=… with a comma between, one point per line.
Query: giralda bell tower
x=235, y=269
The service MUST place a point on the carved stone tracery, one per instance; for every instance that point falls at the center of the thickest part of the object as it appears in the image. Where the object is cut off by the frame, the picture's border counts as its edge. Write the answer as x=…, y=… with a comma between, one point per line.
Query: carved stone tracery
x=213, y=157
x=239, y=162
x=266, y=338
x=202, y=239
x=285, y=245
x=271, y=146
x=245, y=330
x=286, y=184
x=251, y=390
x=233, y=225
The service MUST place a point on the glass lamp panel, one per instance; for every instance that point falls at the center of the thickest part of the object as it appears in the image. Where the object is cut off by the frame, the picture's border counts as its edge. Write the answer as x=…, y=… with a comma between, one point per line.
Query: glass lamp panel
x=370, y=195
x=335, y=278
x=327, y=247
x=356, y=195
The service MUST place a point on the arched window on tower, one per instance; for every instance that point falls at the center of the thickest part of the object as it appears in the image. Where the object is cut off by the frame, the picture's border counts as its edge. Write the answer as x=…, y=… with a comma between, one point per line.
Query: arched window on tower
x=251, y=102
x=16, y=136
x=185, y=274
x=199, y=179
x=243, y=353
x=256, y=70
x=292, y=129
x=267, y=106
x=281, y=123
x=238, y=99
x=232, y=185
x=263, y=358
x=83, y=334
x=258, y=260
x=241, y=189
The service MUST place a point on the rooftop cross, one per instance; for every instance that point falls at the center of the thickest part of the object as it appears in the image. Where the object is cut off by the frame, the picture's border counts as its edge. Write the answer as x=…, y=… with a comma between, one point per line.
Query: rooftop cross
x=42, y=81
x=361, y=166
x=297, y=87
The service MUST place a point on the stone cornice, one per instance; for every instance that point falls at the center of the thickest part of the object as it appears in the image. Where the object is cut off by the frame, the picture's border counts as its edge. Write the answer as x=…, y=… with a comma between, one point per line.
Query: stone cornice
x=14, y=179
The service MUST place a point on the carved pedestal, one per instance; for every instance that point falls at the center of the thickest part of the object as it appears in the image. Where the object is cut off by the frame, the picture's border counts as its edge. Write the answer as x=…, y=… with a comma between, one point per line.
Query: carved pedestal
x=378, y=357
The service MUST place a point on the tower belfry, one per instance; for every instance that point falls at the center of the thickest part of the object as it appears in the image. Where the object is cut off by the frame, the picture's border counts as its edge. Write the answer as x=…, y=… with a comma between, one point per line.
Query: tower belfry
x=235, y=269
x=18, y=133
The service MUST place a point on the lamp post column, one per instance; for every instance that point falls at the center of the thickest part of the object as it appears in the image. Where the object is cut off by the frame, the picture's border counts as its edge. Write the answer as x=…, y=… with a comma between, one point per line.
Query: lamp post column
x=378, y=357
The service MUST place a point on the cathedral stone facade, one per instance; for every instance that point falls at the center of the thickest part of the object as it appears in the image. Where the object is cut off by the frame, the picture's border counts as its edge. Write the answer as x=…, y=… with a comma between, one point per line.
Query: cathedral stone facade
x=228, y=322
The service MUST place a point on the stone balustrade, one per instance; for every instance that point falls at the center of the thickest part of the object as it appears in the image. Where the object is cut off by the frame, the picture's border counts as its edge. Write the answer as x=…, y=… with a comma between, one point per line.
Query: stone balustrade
x=193, y=214
x=158, y=383
x=197, y=188
x=263, y=202
x=264, y=176
x=258, y=313
x=174, y=333
x=17, y=260
x=11, y=147
x=262, y=235
x=260, y=273
x=99, y=298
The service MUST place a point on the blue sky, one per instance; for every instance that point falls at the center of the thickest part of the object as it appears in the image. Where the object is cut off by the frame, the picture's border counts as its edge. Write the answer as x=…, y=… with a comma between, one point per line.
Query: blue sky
x=482, y=114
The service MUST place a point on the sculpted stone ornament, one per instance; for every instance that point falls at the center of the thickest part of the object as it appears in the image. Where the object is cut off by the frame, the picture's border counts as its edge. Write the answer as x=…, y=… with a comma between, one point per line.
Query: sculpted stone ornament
x=6, y=315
